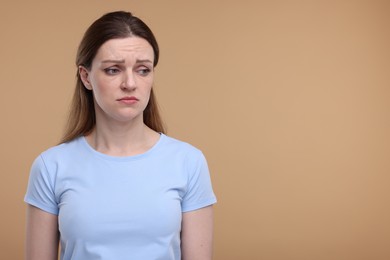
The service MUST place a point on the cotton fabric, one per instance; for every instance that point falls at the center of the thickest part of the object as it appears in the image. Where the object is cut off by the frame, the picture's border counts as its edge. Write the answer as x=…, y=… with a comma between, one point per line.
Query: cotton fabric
x=120, y=207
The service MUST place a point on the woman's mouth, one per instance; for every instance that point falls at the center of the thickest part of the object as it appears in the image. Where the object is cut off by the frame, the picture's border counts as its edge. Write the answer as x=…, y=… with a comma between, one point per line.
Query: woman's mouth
x=128, y=100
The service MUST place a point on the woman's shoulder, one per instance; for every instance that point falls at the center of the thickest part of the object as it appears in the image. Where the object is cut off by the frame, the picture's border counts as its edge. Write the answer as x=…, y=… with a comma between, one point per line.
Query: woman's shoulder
x=174, y=142
x=180, y=146
x=62, y=154
x=63, y=150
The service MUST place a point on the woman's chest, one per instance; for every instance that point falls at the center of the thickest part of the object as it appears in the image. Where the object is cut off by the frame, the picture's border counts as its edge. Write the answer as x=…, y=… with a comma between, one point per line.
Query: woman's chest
x=140, y=204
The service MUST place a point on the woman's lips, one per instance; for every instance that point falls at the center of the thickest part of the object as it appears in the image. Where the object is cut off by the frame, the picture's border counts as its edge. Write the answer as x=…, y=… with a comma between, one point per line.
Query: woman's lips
x=128, y=100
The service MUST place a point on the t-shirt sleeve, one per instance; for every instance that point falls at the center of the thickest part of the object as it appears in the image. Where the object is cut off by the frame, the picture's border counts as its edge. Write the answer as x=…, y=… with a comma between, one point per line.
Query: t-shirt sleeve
x=199, y=192
x=40, y=190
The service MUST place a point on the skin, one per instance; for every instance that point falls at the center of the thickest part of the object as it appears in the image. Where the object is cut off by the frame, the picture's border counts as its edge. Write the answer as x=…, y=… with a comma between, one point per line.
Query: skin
x=197, y=234
x=121, y=68
x=42, y=236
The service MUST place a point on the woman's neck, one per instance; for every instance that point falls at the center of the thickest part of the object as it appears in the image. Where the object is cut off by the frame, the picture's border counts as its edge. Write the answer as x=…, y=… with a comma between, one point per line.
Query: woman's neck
x=122, y=140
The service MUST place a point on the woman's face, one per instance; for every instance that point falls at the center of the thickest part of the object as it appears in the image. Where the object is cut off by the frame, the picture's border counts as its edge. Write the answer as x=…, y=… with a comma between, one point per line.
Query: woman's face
x=121, y=78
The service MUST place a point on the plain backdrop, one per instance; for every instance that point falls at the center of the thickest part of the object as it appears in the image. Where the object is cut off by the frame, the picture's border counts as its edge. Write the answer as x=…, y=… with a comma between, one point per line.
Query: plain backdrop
x=289, y=101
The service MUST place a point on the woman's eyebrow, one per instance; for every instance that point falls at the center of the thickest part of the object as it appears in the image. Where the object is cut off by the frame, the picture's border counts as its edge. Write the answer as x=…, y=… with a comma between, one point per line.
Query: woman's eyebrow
x=113, y=61
x=123, y=61
x=144, y=61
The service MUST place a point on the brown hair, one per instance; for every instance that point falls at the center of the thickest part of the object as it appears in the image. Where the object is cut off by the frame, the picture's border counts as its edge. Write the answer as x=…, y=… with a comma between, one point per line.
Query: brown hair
x=114, y=25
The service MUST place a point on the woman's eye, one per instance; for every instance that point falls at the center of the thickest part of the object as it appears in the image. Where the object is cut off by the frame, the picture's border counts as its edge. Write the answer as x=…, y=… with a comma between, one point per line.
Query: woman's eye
x=111, y=71
x=144, y=71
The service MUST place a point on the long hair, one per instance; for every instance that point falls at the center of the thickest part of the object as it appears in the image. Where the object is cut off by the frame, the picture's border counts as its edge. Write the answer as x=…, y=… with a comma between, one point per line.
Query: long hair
x=114, y=25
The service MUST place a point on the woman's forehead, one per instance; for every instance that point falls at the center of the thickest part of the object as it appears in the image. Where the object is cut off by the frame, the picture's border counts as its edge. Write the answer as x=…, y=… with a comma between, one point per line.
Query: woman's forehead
x=126, y=47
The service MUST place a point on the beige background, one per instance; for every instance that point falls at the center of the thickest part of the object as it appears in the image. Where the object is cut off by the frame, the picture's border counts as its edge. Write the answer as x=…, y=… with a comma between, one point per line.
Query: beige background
x=289, y=100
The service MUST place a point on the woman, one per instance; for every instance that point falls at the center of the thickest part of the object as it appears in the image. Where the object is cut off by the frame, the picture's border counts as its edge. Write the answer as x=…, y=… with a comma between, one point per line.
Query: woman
x=117, y=187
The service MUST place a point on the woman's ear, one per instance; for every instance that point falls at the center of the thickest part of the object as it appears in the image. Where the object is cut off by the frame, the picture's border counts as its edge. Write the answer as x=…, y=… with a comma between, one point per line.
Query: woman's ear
x=84, y=76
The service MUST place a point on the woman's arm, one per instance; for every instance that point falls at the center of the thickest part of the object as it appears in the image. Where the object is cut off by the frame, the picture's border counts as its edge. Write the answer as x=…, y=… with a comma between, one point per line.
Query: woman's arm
x=197, y=234
x=42, y=235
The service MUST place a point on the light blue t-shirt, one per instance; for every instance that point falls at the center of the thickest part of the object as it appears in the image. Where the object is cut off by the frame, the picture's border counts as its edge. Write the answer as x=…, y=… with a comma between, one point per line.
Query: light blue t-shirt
x=118, y=208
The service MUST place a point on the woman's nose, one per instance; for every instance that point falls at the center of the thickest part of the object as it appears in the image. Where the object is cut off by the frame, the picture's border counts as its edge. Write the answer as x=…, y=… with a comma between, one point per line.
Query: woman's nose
x=129, y=81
